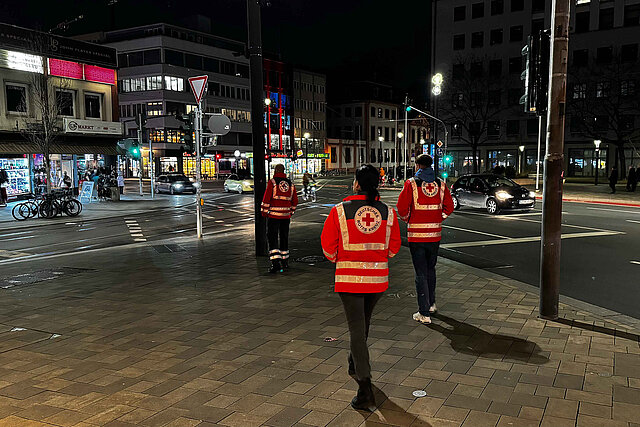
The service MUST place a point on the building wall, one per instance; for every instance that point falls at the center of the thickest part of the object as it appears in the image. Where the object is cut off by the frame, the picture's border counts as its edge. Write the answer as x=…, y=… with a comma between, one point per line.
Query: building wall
x=309, y=91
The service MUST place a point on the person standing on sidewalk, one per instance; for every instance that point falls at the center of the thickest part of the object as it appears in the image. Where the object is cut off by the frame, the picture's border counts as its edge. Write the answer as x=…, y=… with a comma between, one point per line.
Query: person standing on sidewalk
x=423, y=203
x=4, y=182
x=121, y=183
x=278, y=205
x=613, y=179
x=359, y=236
x=632, y=179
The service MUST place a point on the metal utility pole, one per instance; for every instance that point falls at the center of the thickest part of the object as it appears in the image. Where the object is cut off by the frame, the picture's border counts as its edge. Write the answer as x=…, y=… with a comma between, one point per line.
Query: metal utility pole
x=554, y=162
x=541, y=136
x=406, y=135
x=198, y=132
x=140, y=145
x=151, y=174
x=257, y=127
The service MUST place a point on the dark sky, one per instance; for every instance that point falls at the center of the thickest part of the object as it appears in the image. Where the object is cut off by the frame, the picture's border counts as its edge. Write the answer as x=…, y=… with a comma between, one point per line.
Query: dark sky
x=386, y=41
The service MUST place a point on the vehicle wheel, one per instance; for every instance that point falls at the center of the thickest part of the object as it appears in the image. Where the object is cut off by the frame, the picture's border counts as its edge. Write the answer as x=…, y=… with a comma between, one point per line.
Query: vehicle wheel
x=456, y=204
x=492, y=206
x=20, y=212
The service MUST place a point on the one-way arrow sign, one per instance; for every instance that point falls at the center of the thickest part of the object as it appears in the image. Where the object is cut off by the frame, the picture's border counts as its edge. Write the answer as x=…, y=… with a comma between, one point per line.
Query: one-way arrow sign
x=197, y=86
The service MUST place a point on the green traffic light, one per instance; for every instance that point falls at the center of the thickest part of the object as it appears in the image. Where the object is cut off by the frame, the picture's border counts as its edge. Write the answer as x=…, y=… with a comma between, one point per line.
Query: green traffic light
x=409, y=108
x=445, y=175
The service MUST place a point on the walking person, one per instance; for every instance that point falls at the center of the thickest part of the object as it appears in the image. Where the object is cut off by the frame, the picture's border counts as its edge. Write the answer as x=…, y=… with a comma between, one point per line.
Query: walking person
x=423, y=203
x=613, y=179
x=359, y=236
x=120, y=183
x=278, y=205
x=4, y=182
x=632, y=179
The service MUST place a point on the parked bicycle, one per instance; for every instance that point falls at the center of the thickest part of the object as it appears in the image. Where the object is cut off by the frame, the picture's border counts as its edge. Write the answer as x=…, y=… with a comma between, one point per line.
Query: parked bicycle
x=48, y=206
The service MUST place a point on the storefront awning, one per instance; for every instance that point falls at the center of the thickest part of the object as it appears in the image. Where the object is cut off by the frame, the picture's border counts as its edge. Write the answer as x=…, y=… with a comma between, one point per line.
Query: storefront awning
x=63, y=145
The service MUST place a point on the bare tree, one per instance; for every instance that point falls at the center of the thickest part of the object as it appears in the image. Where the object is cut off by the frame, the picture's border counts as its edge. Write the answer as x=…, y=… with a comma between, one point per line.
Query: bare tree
x=43, y=124
x=471, y=100
x=604, y=103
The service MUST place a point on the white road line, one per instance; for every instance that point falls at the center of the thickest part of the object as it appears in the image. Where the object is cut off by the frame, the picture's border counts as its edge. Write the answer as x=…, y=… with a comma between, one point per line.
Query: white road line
x=208, y=216
x=16, y=233
x=137, y=235
x=219, y=221
x=18, y=238
x=635, y=222
x=324, y=214
x=139, y=240
x=635, y=262
x=525, y=239
x=475, y=231
x=615, y=210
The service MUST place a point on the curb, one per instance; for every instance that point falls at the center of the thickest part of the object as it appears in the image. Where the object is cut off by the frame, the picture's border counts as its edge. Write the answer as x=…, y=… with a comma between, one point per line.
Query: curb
x=598, y=202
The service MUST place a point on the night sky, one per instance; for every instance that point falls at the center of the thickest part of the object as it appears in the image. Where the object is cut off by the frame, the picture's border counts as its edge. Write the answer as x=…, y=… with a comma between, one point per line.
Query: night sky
x=375, y=40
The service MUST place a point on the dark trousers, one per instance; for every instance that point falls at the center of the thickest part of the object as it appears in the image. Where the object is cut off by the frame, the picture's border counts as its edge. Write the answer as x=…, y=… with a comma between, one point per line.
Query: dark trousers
x=612, y=185
x=425, y=256
x=278, y=237
x=3, y=195
x=358, y=309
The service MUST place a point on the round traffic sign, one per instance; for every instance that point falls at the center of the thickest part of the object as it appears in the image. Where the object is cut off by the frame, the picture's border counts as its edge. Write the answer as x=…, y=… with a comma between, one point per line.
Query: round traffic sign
x=219, y=124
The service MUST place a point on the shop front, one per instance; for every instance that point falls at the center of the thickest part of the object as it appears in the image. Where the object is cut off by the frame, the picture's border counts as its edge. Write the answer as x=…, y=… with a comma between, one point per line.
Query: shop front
x=312, y=163
x=17, y=168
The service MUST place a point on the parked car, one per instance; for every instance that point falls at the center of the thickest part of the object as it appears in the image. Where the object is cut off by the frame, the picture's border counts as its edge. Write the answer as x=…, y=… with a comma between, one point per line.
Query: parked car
x=491, y=192
x=175, y=183
x=238, y=183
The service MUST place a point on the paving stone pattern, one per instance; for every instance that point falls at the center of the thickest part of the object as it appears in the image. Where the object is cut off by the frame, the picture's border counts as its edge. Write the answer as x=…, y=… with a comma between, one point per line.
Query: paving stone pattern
x=202, y=337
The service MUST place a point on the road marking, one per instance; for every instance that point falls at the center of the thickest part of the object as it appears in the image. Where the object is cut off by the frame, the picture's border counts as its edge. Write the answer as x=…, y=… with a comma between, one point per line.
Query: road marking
x=324, y=214
x=208, y=216
x=615, y=210
x=135, y=230
x=219, y=221
x=12, y=254
x=475, y=231
x=139, y=240
x=635, y=222
x=526, y=239
x=635, y=262
x=15, y=234
x=18, y=238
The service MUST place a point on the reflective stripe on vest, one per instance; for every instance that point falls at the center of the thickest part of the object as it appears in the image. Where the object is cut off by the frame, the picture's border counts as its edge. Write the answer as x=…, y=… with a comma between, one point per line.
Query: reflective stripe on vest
x=344, y=278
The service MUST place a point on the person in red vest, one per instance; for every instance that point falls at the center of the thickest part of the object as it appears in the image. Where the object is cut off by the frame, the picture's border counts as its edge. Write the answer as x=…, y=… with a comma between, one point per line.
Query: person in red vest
x=359, y=236
x=278, y=205
x=423, y=203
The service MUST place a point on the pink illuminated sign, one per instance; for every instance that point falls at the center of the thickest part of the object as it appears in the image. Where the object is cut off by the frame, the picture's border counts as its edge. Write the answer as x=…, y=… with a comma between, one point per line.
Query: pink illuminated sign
x=72, y=70
x=94, y=73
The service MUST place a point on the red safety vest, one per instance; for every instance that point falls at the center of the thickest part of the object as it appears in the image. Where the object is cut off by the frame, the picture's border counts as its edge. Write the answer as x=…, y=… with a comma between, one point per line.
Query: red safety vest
x=423, y=205
x=280, y=198
x=360, y=238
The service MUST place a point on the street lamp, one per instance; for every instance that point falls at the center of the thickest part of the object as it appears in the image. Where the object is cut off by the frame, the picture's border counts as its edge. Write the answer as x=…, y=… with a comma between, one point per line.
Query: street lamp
x=597, y=143
x=267, y=101
x=521, y=148
x=307, y=135
x=400, y=136
x=237, y=156
x=380, y=139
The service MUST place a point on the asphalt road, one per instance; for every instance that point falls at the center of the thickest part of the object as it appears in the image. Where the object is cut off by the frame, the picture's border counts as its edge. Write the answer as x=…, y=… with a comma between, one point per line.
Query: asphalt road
x=600, y=246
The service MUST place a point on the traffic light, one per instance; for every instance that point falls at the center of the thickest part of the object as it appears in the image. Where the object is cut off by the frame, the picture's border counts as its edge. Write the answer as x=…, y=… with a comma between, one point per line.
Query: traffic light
x=536, y=73
x=409, y=108
x=445, y=175
x=134, y=150
x=218, y=156
x=542, y=70
x=447, y=159
x=528, y=77
x=188, y=128
x=130, y=148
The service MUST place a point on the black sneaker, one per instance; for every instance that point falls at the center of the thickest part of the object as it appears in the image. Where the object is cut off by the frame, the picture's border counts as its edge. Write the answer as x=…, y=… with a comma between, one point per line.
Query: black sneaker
x=275, y=267
x=285, y=264
x=364, y=400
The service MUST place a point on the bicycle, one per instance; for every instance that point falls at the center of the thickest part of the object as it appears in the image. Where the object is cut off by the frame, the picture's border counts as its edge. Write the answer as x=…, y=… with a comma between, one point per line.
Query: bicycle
x=310, y=192
x=25, y=210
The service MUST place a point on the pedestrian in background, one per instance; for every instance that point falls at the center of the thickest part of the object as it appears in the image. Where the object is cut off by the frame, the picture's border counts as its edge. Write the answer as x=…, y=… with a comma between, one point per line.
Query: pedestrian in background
x=4, y=182
x=423, y=203
x=613, y=179
x=278, y=205
x=359, y=236
x=121, y=183
x=632, y=179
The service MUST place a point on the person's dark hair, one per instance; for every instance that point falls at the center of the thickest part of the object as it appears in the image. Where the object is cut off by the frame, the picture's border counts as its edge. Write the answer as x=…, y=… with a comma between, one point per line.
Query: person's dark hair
x=424, y=160
x=279, y=168
x=368, y=176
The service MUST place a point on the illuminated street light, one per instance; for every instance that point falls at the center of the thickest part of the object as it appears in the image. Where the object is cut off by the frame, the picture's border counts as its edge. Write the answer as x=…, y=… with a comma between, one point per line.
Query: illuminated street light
x=267, y=101
x=400, y=135
x=436, y=90
x=307, y=135
x=521, y=148
x=597, y=143
x=381, y=138
x=437, y=79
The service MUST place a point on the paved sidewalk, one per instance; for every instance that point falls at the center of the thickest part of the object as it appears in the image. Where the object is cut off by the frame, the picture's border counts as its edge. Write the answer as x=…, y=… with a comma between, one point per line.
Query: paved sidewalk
x=195, y=334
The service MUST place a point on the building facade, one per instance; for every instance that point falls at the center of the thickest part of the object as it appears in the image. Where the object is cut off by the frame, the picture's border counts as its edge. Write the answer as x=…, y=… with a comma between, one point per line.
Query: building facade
x=481, y=41
x=155, y=64
x=310, y=121
x=80, y=80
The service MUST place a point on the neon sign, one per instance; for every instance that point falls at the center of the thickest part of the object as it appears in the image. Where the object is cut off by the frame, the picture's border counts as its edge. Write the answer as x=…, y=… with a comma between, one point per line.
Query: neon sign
x=60, y=68
x=21, y=61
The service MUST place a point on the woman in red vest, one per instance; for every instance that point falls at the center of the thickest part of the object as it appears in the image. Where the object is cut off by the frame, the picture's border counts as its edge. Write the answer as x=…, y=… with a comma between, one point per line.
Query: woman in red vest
x=359, y=236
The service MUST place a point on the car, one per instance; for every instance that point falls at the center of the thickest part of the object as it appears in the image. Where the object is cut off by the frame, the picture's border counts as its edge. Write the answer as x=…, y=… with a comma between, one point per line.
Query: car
x=175, y=183
x=238, y=183
x=492, y=192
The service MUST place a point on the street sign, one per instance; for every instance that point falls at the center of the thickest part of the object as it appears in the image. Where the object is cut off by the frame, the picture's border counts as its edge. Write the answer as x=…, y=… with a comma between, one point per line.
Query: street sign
x=197, y=86
x=219, y=124
x=300, y=153
x=439, y=152
x=439, y=144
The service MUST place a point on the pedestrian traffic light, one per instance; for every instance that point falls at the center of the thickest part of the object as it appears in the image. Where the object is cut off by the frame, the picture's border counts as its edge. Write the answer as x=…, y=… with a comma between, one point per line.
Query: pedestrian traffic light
x=188, y=128
x=130, y=148
x=218, y=156
x=134, y=151
x=409, y=108
x=445, y=175
x=447, y=159
x=536, y=73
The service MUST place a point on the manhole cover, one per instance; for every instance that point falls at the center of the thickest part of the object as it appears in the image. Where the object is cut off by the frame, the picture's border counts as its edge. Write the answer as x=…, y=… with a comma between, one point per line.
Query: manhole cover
x=39, y=276
x=311, y=259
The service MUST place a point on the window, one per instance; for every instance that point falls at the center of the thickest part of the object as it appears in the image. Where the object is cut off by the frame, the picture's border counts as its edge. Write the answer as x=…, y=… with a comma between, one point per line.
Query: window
x=475, y=99
x=514, y=96
x=477, y=10
x=626, y=123
x=358, y=112
x=334, y=155
x=495, y=67
x=152, y=57
x=538, y=6
x=604, y=55
x=372, y=134
x=193, y=61
x=154, y=82
x=210, y=64
x=513, y=127
x=458, y=42
x=242, y=71
x=229, y=68
x=606, y=19
x=516, y=33
x=517, y=5
x=493, y=129
x=92, y=106
x=603, y=89
x=601, y=123
x=497, y=7
x=386, y=133
x=476, y=69
x=372, y=157
x=580, y=91
x=477, y=39
x=373, y=111
x=582, y=22
x=629, y=53
x=494, y=97
x=347, y=155
x=457, y=71
x=347, y=111
x=64, y=102
x=627, y=88
x=154, y=108
x=459, y=13
x=386, y=113
x=16, y=98
x=393, y=114
x=379, y=113
x=632, y=15
x=135, y=59
x=515, y=65
x=580, y=58
x=537, y=25
x=176, y=84
x=495, y=37
x=456, y=129
x=532, y=126
x=173, y=57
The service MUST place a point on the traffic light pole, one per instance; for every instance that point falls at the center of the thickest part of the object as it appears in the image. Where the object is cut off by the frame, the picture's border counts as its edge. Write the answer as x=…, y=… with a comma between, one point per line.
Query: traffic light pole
x=198, y=131
x=140, y=159
x=151, y=174
x=257, y=126
x=406, y=135
x=554, y=163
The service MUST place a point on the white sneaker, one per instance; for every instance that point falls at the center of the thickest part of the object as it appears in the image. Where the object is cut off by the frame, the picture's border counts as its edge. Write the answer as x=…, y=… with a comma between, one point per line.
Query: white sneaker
x=433, y=309
x=422, y=319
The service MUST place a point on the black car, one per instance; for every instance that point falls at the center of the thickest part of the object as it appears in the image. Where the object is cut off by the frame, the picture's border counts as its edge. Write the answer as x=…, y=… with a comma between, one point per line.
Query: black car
x=491, y=192
x=175, y=183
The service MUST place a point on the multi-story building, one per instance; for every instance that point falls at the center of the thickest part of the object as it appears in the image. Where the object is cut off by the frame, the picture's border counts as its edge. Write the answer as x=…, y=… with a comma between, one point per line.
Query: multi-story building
x=80, y=80
x=483, y=39
x=155, y=63
x=310, y=120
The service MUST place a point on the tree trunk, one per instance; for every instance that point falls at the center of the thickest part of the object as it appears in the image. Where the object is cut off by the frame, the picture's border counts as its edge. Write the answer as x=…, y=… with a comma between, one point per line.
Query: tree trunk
x=622, y=159
x=474, y=155
x=47, y=168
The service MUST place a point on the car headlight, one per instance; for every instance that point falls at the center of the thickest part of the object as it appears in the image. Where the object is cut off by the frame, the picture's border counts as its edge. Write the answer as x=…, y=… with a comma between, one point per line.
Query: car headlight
x=195, y=184
x=503, y=195
x=532, y=194
x=246, y=183
x=177, y=185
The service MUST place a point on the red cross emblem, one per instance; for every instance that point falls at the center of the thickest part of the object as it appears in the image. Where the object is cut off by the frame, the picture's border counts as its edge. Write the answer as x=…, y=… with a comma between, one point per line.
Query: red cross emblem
x=368, y=219
x=430, y=189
